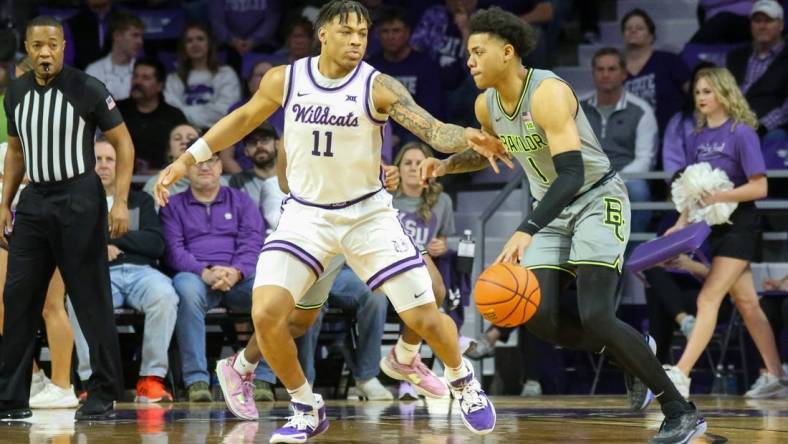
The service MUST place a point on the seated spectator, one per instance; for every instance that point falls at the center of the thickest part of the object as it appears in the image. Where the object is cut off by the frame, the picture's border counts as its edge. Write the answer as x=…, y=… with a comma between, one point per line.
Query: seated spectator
x=137, y=284
x=441, y=33
x=659, y=77
x=761, y=70
x=722, y=22
x=260, y=182
x=116, y=68
x=87, y=33
x=235, y=160
x=625, y=126
x=180, y=138
x=676, y=140
x=299, y=32
x=212, y=233
x=414, y=69
x=148, y=117
x=200, y=87
x=242, y=27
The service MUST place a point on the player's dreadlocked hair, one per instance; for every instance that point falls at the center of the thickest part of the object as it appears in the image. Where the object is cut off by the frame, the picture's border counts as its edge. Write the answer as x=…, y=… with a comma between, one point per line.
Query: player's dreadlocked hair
x=430, y=194
x=341, y=8
x=505, y=25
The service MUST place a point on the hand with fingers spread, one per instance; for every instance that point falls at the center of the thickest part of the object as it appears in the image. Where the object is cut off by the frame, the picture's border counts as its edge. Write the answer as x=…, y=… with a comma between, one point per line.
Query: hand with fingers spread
x=431, y=168
x=118, y=219
x=488, y=146
x=391, y=179
x=515, y=248
x=168, y=176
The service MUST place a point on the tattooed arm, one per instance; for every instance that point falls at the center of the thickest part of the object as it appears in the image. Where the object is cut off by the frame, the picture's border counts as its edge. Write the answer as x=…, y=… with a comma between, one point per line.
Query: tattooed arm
x=392, y=98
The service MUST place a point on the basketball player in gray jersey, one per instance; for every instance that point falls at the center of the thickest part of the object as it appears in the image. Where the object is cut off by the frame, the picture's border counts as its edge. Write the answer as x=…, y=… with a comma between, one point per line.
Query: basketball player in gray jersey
x=578, y=228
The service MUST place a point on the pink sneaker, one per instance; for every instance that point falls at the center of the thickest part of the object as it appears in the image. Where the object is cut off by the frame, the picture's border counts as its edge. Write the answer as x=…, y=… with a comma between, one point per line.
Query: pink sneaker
x=422, y=378
x=238, y=390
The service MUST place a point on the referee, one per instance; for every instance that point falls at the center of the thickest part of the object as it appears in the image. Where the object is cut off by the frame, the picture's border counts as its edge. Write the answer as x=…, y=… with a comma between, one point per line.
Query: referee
x=61, y=218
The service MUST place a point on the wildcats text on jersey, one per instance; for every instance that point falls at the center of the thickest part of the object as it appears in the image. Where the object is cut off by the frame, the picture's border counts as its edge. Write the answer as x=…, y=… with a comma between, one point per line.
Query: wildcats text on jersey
x=321, y=115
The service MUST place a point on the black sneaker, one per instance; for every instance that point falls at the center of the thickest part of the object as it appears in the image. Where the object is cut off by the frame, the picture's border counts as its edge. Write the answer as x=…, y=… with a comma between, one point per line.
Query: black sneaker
x=9, y=413
x=681, y=429
x=95, y=409
x=638, y=395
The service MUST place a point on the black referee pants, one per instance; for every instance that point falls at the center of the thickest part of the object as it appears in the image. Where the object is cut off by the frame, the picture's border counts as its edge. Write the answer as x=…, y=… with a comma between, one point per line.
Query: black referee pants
x=63, y=225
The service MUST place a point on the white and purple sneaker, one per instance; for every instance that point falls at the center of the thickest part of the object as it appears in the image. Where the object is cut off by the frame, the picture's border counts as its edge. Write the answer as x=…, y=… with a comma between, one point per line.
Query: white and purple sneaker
x=478, y=413
x=307, y=421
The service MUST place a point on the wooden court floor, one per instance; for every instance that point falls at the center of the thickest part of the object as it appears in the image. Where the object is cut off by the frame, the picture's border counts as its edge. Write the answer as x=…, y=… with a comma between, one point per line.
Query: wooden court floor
x=549, y=419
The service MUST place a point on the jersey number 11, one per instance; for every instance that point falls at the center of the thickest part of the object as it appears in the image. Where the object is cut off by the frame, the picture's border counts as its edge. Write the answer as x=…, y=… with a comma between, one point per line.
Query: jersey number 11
x=316, y=147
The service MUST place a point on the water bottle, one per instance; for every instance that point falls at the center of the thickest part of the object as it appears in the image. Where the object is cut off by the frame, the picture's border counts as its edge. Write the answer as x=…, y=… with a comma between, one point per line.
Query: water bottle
x=465, y=253
x=731, y=381
x=718, y=387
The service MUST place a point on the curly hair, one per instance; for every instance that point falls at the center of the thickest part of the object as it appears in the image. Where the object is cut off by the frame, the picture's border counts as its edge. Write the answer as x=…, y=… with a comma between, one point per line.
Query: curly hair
x=506, y=26
x=429, y=195
x=341, y=9
x=729, y=95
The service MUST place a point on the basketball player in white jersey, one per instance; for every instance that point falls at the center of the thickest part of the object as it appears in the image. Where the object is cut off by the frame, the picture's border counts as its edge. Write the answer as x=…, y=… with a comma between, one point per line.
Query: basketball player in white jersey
x=335, y=106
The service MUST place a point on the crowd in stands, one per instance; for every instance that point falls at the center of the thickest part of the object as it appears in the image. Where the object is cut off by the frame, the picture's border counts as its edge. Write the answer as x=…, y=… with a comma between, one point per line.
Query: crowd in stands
x=174, y=78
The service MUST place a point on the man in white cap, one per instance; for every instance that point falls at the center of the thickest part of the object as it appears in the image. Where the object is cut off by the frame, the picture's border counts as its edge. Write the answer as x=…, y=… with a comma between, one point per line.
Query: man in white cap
x=761, y=70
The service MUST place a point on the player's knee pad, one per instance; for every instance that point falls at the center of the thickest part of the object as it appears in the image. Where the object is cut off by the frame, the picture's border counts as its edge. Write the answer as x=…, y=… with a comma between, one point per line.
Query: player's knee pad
x=409, y=289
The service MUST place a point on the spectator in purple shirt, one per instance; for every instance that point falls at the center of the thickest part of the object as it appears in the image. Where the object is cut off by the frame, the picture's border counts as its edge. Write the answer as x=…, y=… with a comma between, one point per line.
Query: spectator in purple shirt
x=413, y=68
x=761, y=70
x=242, y=26
x=727, y=140
x=213, y=238
x=659, y=77
x=675, y=141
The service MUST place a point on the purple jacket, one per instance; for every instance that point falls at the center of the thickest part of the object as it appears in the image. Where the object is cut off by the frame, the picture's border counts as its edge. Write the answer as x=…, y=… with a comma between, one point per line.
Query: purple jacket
x=226, y=232
x=256, y=20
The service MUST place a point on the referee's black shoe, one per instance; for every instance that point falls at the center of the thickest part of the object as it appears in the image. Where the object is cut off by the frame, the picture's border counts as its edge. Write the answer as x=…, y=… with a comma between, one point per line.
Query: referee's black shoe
x=95, y=409
x=9, y=410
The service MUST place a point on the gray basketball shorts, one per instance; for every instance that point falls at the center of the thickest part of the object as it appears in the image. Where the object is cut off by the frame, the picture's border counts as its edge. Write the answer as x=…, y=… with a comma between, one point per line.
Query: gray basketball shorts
x=592, y=230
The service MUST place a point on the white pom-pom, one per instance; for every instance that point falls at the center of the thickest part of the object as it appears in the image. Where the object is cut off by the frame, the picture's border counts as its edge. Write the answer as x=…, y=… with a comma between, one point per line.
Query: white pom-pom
x=696, y=181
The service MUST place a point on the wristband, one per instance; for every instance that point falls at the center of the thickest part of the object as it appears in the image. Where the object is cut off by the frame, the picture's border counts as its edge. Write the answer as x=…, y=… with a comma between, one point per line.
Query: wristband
x=200, y=151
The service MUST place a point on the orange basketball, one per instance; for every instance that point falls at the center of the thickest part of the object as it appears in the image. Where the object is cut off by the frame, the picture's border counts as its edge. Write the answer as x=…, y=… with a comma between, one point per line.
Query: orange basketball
x=507, y=295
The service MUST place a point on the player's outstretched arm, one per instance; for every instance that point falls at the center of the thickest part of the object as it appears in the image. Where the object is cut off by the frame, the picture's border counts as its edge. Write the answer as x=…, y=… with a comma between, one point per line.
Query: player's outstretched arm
x=227, y=131
x=392, y=98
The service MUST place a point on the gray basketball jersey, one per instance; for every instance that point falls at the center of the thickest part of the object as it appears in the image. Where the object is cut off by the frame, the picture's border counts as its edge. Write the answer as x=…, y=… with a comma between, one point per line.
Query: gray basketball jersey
x=526, y=140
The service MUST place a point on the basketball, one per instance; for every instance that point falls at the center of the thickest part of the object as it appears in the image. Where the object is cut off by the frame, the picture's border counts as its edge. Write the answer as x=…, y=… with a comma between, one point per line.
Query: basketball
x=507, y=295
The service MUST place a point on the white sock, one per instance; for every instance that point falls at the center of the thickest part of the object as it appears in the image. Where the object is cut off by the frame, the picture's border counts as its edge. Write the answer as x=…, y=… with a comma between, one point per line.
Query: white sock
x=405, y=352
x=242, y=366
x=453, y=374
x=303, y=395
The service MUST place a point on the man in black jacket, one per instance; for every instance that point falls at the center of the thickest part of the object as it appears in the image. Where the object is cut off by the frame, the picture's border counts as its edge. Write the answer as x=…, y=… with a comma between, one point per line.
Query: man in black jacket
x=761, y=70
x=137, y=284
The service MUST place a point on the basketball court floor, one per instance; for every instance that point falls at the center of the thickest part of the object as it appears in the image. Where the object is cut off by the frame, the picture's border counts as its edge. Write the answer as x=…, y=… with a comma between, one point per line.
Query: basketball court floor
x=550, y=419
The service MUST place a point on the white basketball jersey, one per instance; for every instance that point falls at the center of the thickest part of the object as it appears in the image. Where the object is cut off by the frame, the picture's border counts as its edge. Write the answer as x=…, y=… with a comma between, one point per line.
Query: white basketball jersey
x=332, y=136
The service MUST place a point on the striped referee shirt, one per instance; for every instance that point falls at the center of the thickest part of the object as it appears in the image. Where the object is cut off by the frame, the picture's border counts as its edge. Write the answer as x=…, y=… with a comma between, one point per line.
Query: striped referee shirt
x=56, y=123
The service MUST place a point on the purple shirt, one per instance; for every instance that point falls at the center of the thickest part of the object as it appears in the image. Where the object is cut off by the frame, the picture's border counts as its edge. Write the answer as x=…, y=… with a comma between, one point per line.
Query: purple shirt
x=736, y=151
x=660, y=83
x=225, y=232
x=255, y=20
x=675, y=142
x=437, y=36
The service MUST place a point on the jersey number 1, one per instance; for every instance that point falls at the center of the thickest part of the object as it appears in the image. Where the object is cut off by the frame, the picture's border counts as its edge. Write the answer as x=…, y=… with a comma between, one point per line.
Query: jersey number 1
x=316, y=148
